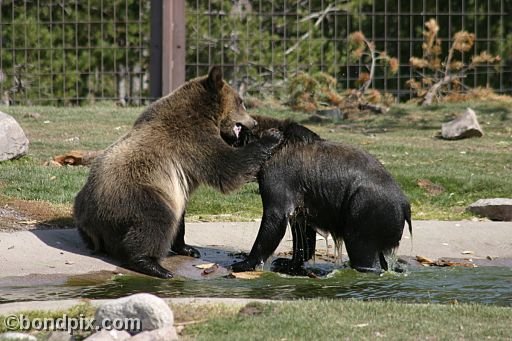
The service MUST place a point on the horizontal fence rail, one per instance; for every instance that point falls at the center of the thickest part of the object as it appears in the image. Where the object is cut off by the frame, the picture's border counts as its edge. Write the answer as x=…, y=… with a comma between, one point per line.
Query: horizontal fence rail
x=77, y=52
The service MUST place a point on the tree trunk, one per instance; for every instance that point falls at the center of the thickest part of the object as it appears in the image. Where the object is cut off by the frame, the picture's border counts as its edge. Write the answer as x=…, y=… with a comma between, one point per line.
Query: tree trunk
x=121, y=85
x=434, y=90
x=135, y=85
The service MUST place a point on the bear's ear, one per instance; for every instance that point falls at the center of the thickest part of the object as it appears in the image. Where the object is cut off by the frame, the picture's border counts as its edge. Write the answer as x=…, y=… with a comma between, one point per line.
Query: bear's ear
x=214, y=81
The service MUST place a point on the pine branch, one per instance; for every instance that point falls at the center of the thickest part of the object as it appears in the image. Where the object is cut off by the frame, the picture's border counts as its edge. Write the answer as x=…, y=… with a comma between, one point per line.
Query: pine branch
x=305, y=36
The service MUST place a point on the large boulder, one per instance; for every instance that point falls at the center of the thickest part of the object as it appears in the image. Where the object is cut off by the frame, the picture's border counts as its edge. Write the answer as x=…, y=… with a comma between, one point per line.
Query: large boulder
x=495, y=209
x=151, y=310
x=466, y=125
x=13, y=142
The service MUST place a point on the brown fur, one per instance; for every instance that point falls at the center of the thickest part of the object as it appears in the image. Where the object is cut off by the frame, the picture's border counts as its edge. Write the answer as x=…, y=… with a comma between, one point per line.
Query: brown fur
x=132, y=205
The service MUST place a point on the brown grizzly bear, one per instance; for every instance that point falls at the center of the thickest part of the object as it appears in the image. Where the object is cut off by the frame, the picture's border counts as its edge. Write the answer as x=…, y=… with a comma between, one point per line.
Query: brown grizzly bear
x=132, y=205
x=318, y=185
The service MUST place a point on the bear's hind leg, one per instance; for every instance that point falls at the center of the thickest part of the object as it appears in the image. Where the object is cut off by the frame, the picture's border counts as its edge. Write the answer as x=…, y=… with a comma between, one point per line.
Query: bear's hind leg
x=149, y=266
x=145, y=245
x=179, y=247
x=148, y=237
x=363, y=254
x=389, y=262
x=92, y=242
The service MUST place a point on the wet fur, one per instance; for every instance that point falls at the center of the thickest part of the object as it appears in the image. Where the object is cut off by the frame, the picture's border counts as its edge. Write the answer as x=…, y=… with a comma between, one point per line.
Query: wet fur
x=314, y=184
x=133, y=204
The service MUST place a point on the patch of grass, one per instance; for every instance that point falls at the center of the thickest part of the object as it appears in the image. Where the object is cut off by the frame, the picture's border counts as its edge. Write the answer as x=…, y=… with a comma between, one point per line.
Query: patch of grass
x=208, y=205
x=356, y=320
x=320, y=319
x=79, y=311
x=28, y=179
x=404, y=140
x=187, y=314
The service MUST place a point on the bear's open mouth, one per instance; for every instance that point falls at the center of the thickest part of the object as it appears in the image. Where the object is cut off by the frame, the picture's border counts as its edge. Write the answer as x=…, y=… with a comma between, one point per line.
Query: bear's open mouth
x=237, y=129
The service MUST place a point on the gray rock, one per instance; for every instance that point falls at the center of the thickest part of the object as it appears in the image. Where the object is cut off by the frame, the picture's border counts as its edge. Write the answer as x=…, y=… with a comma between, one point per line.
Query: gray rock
x=334, y=113
x=150, y=310
x=34, y=115
x=13, y=142
x=109, y=335
x=162, y=334
x=12, y=336
x=60, y=336
x=494, y=209
x=466, y=125
x=317, y=119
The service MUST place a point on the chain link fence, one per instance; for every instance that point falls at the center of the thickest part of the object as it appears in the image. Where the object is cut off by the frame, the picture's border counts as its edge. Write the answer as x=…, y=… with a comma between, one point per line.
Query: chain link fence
x=71, y=52
x=262, y=43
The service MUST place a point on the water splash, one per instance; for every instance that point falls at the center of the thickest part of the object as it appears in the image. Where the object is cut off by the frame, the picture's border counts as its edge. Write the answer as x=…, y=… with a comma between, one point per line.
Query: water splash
x=338, y=248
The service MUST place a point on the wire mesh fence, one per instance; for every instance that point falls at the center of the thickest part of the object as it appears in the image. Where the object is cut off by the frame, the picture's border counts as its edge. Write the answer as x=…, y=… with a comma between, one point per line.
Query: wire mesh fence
x=262, y=43
x=73, y=52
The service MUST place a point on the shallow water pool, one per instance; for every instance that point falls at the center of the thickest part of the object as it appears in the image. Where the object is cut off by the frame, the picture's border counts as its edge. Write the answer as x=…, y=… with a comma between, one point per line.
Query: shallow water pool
x=488, y=285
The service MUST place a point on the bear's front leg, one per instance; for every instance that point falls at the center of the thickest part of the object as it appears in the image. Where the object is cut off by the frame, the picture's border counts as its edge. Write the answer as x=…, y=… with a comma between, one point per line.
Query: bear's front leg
x=179, y=247
x=304, y=241
x=272, y=230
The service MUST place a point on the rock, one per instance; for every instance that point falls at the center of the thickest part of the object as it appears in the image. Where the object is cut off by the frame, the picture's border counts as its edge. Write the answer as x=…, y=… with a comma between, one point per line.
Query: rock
x=495, y=209
x=162, y=334
x=334, y=113
x=13, y=142
x=12, y=336
x=150, y=310
x=317, y=119
x=60, y=336
x=466, y=125
x=34, y=115
x=109, y=335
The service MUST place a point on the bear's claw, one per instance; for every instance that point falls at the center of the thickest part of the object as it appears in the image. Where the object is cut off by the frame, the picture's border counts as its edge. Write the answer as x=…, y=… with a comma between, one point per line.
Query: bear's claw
x=186, y=250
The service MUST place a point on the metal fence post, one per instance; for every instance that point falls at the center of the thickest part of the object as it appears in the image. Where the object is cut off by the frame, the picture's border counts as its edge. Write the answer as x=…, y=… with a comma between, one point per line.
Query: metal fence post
x=155, y=56
x=173, y=45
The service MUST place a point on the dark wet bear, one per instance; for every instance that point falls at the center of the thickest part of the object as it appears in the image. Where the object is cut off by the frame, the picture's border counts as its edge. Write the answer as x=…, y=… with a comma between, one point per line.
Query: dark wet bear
x=133, y=204
x=317, y=185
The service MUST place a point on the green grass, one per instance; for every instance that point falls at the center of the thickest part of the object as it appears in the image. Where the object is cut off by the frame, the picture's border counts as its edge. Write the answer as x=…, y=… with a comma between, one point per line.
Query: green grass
x=404, y=140
x=356, y=320
x=81, y=311
x=323, y=320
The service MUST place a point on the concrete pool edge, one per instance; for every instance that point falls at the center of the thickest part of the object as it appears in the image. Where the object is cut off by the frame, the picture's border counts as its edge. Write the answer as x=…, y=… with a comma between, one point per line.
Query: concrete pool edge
x=61, y=252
